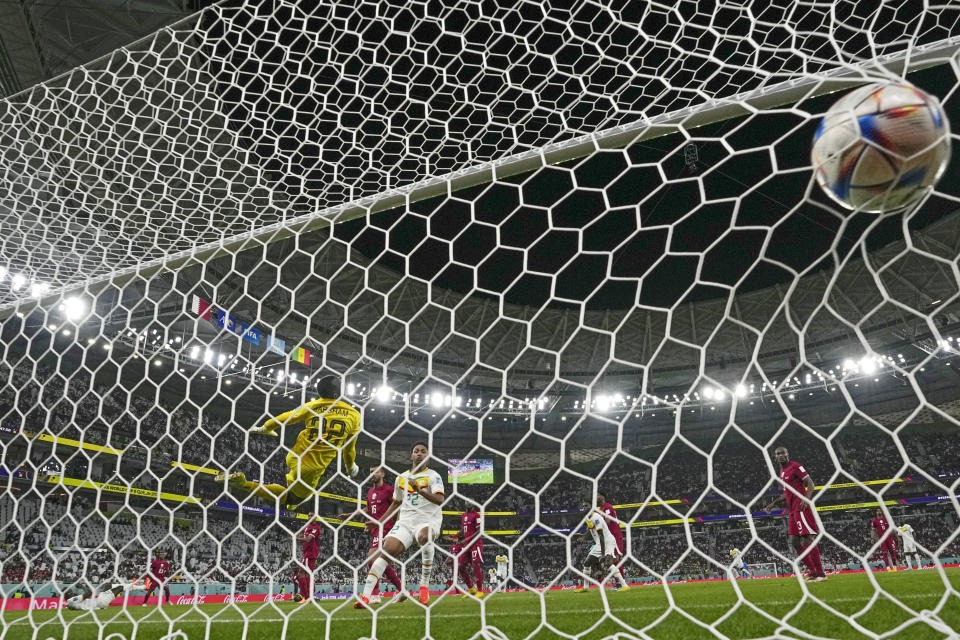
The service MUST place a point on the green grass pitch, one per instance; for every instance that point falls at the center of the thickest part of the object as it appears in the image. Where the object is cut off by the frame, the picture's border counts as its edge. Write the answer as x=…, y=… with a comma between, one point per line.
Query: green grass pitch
x=477, y=476
x=846, y=612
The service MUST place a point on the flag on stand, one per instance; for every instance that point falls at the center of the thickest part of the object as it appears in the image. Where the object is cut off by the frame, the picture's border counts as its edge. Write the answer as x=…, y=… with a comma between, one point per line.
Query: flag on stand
x=301, y=355
x=226, y=321
x=200, y=307
x=250, y=334
x=276, y=345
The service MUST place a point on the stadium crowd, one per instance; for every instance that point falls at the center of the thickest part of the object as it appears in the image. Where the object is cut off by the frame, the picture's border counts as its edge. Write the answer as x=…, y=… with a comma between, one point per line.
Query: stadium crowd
x=64, y=542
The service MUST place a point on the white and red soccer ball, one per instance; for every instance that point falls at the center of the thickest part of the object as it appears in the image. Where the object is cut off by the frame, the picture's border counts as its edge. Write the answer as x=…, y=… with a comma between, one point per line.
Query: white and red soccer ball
x=881, y=147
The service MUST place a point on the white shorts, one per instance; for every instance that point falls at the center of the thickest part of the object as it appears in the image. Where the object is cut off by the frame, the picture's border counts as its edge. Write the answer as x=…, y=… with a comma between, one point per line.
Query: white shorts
x=406, y=532
x=909, y=547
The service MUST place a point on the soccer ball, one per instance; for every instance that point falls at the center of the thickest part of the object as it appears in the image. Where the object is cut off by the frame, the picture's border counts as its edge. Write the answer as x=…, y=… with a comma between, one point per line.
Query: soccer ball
x=298, y=598
x=881, y=147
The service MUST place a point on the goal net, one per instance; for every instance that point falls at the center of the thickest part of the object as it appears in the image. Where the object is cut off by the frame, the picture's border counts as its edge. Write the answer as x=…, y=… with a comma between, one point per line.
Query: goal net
x=579, y=254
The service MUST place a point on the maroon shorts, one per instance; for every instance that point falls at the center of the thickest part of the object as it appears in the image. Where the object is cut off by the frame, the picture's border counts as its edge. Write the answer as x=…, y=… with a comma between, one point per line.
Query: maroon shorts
x=376, y=537
x=802, y=523
x=889, y=545
x=310, y=562
x=476, y=552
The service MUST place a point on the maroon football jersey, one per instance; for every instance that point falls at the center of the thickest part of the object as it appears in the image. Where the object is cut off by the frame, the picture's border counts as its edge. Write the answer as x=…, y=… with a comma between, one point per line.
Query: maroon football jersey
x=470, y=525
x=378, y=501
x=311, y=548
x=792, y=476
x=158, y=569
x=881, y=525
x=611, y=515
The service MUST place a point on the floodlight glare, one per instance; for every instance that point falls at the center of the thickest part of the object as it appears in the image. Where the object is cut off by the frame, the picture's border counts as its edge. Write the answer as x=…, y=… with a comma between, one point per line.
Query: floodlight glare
x=74, y=308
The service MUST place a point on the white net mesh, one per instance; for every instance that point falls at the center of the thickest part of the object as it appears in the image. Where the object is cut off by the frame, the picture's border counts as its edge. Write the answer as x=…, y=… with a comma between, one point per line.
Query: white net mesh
x=582, y=250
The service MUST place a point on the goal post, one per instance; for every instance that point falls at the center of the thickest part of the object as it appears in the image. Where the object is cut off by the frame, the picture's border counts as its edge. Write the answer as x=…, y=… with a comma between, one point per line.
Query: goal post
x=282, y=265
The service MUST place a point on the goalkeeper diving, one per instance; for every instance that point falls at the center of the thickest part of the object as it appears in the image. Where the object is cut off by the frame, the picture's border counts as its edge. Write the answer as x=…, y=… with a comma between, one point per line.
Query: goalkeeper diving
x=330, y=427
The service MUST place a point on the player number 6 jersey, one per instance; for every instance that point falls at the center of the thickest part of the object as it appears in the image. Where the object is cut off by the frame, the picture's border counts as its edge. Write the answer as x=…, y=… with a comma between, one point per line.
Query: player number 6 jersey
x=415, y=507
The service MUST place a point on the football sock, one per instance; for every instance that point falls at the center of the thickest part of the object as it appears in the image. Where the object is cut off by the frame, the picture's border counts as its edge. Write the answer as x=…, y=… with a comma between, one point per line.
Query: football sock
x=426, y=563
x=376, y=570
x=465, y=576
x=815, y=559
x=619, y=576
x=392, y=576
x=478, y=573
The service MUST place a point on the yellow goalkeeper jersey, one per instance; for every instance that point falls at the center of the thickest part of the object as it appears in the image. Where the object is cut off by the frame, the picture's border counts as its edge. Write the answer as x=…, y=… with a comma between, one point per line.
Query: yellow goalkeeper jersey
x=329, y=424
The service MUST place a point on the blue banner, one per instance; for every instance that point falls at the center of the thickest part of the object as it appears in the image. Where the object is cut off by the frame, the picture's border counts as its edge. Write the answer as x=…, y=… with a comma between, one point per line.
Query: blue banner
x=276, y=345
x=226, y=321
x=250, y=334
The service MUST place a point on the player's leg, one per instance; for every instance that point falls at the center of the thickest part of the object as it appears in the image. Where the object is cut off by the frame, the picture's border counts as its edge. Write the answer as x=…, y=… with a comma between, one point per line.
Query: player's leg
x=614, y=571
x=476, y=560
x=425, y=537
x=389, y=573
x=622, y=556
x=166, y=592
x=396, y=542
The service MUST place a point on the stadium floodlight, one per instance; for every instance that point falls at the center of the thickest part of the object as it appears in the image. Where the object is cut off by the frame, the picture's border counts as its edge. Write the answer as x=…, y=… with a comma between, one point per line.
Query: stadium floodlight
x=741, y=391
x=868, y=365
x=351, y=389
x=194, y=351
x=3, y=273
x=708, y=393
x=75, y=308
x=436, y=399
x=17, y=281
x=37, y=289
x=603, y=402
x=383, y=393
x=207, y=356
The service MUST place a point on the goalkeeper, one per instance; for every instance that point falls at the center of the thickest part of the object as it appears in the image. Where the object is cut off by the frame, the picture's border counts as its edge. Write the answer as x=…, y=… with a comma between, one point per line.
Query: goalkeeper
x=330, y=426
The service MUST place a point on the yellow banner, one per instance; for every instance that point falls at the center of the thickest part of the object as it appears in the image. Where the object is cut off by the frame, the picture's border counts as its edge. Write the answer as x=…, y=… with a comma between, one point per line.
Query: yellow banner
x=67, y=442
x=654, y=523
x=193, y=467
x=858, y=505
x=119, y=488
x=847, y=485
x=652, y=503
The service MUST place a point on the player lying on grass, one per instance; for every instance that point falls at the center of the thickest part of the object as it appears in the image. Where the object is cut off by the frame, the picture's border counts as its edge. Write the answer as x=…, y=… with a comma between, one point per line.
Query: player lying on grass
x=330, y=426
x=601, y=561
x=94, y=600
x=418, y=496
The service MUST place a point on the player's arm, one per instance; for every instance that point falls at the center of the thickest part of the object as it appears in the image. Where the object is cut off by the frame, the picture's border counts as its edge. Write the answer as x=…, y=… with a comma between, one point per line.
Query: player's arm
x=295, y=416
x=347, y=516
x=430, y=494
x=808, y=488
x=392, y=509
x=350, y=453
x=773, y=503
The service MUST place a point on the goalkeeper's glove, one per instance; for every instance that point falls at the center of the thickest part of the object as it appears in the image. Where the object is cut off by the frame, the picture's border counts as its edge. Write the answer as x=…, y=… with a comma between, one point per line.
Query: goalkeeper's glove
x=354, y=470
x=262, y=430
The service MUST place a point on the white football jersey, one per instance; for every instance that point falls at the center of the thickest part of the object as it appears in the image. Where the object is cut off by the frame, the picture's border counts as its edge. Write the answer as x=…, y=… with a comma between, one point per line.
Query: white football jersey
x=414, y=507
x=906, y=532
x=737, y=557
x=502, y=565
x=597, y=527
x=99, y=601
